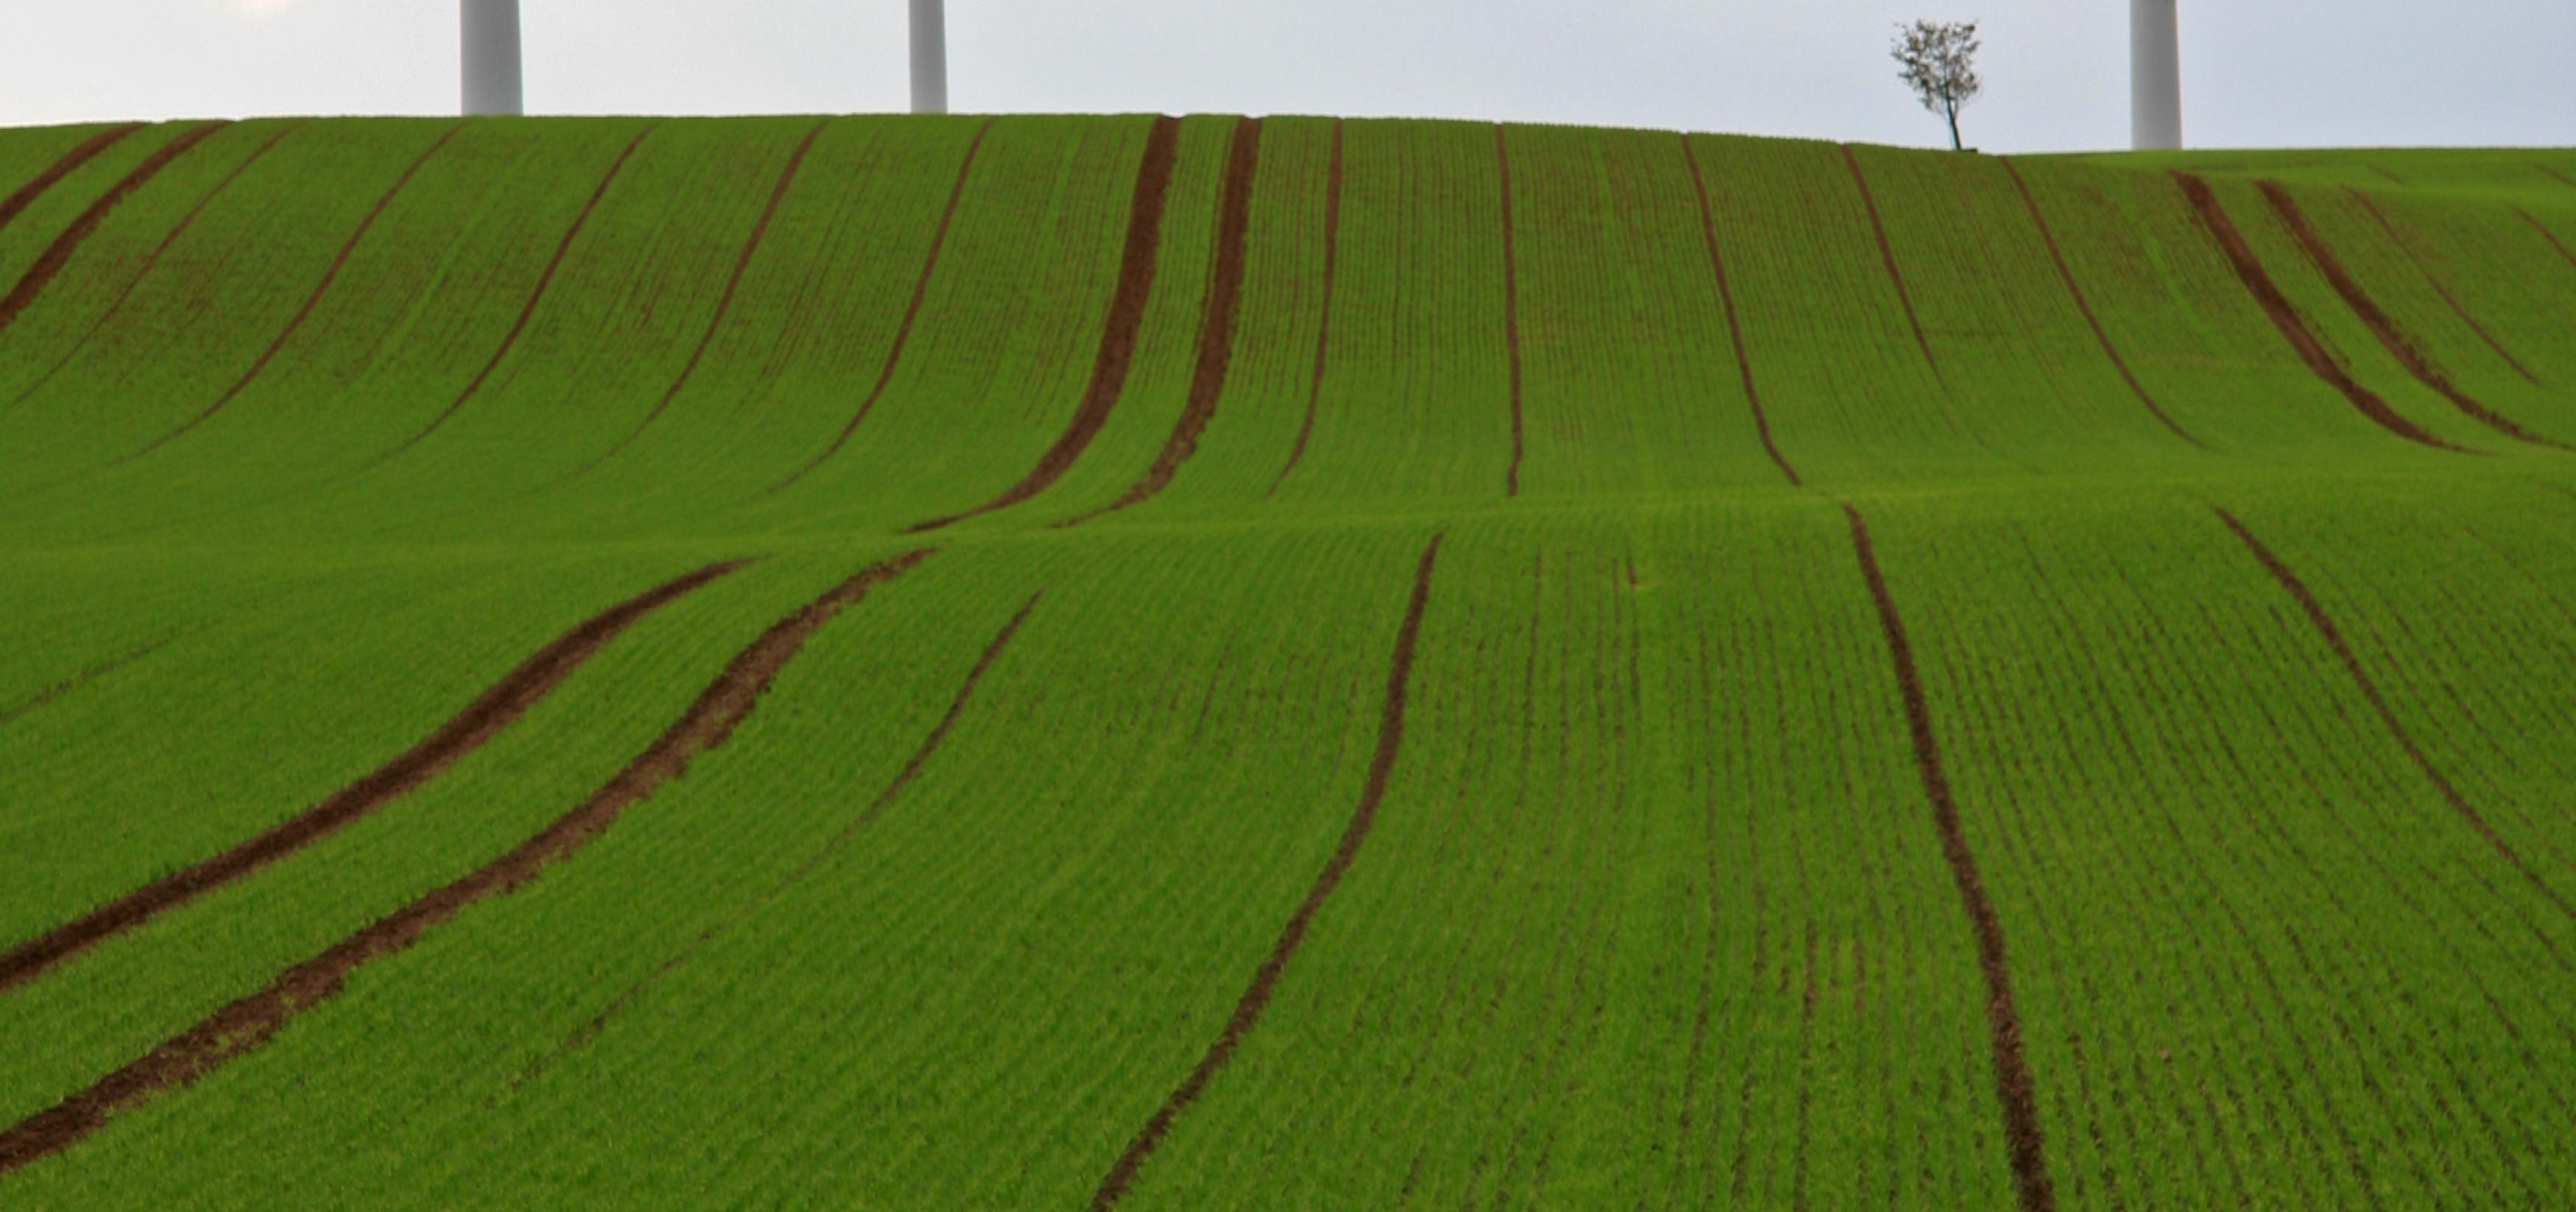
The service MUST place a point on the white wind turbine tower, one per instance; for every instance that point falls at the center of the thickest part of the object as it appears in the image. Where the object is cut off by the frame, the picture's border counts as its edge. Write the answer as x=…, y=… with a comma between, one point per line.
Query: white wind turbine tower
x=492, y=56
x=929, y=57
x=2155, y=76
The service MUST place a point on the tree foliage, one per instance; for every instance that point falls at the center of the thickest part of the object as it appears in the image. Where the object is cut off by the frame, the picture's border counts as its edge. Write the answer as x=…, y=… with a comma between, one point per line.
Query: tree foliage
x=1937, y=59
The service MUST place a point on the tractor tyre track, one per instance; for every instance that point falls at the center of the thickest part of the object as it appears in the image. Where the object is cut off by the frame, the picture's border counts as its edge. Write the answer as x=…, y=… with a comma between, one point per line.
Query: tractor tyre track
x=491, y=712
x=2325, y=628
x=1887, y=254
x=1265, y=979
x=249, y=1022
x=58, y=254
x=2066, y=274
x=1324, y=331
x=1118, y=336
x=528, y=309
x=2555, y=175
x=81, y=153
x=911, y=313
x=2293, y=328
x=38, y=701
x=1216, y=325
x=1734, y=327
x=294, y=323
x=1511, y=308
x=2430, y=279
x=724, y=302
x=2392, y=338
x=151, y=261
x=938, y=735
x=2015, y=1086
x=2563, y=253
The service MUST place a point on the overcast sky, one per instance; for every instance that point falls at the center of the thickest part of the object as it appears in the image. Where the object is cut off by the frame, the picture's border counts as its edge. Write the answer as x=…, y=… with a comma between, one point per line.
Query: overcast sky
x=2256, y=73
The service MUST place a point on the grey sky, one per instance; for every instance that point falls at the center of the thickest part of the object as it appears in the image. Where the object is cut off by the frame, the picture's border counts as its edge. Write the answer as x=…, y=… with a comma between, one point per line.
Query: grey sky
x=2255, y=72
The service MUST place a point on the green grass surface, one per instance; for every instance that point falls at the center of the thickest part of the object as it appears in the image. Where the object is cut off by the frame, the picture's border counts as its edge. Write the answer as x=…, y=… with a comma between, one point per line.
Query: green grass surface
x=324, y=427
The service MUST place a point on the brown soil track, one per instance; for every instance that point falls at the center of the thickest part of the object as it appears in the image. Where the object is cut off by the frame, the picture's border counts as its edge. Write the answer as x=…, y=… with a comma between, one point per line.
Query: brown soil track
x=486, y=717
x=1117, y=337
x=2392, y=338
x=1265, y=979
x=528, y=309
x=938, y=735
x=2015, y=1086
x=1324, y=331
x=247, y=1023
x=2325, y=627
x=154, y=259
x=724, y=302
x=36, y=702
x=1887, y=253
x=2448, y=299
x=1216, y=325
x=2551, y=236
x=81, y=153
x=911, y=313
x=2555, y=175
x=294, y=323
x=2310, y=348
x=50, y=263
x=1734, y=327
x=1511, y=309
x=2066, y=274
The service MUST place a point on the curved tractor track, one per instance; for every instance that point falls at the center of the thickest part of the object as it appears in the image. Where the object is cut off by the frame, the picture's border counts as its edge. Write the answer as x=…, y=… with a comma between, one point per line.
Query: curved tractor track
x=491, y=713
x=1216, y=327
x=1117, y=338
x=1248, y=1009
x=295, y=323
x=2292, y=327
x=2015, y=1086
x=2396, y=341
x=49, y=264
x=245, y=1024
x=63, y=166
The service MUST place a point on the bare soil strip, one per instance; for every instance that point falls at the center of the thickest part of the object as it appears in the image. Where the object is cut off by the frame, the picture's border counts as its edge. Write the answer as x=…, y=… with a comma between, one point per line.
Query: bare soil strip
x=2430, y=279
x=2392, y=338
x=724, y=302
x=1734, y=327
x=486, y=717
x=339, y=261
x=1887, y=253
x=1216, y=325
x=1511, y=309
x=2555, y=175
x=152, y=260
x=911, y=313
x=528, y=309
x=36, y=702
x=2015, y=1087
x=249, y=1022
x=82, y=153
x=1265, y=979
x=590, y=1030
x=50, y=263
x=1117, y=338
x=2333, y=636
x=1324, y=331
x=2066, y=274
x=2551, y=236
x=2311, y=349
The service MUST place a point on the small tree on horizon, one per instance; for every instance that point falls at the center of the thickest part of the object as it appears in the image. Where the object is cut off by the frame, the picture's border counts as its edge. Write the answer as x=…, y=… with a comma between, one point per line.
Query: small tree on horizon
x=1938, y=61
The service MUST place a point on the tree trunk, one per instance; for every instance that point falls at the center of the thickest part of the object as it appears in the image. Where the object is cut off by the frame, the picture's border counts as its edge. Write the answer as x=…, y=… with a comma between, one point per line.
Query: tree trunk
x=1952, y=108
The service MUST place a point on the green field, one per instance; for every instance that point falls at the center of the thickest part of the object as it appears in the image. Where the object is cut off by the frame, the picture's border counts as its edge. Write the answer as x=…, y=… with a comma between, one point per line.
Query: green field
x=907, y=663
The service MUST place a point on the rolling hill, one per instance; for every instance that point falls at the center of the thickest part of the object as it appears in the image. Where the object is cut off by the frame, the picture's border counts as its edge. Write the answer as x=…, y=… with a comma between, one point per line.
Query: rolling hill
x=1196, y=663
